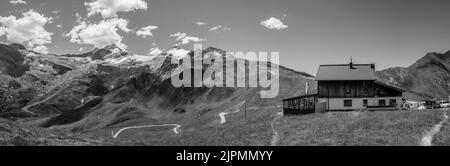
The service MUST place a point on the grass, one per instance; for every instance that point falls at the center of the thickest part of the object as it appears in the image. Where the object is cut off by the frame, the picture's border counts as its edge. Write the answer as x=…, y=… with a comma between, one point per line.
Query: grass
x=207, y=131
x=16, y=134
x=404, y=128
x=358, y=128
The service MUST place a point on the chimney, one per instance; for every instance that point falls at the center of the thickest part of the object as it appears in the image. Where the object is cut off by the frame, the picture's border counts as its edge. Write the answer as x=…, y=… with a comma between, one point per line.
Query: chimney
x=351, y=63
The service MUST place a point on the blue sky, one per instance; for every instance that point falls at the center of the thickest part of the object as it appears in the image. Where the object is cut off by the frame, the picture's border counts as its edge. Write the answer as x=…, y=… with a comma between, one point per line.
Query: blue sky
x=307, y=33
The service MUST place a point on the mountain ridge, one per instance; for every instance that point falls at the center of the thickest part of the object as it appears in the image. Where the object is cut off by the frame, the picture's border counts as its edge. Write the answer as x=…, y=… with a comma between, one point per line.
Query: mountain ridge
x=426, y=79
x=126, y=90
x=109, y=90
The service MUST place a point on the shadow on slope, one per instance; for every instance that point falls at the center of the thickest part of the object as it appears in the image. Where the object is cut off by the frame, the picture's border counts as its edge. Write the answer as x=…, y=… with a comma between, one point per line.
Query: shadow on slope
x=72, y=116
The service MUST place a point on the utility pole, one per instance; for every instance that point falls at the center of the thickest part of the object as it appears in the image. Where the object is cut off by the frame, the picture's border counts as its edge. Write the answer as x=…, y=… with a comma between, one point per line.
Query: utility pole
x=307, y=88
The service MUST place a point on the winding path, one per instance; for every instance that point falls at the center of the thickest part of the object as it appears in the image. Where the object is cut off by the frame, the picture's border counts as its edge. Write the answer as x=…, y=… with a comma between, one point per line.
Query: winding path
x=237, y=109
x=276, y=136
x=222, y=117
x=428, y=137
x=175, y=129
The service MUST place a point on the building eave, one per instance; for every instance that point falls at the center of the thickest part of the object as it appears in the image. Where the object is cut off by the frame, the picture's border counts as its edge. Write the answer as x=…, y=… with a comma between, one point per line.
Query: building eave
x=389, y=86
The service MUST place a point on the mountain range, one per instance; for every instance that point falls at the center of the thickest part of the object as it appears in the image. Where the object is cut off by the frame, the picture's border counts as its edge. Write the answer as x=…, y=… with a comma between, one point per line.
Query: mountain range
x=102, y=91
x=427, y=79
x=107, y=89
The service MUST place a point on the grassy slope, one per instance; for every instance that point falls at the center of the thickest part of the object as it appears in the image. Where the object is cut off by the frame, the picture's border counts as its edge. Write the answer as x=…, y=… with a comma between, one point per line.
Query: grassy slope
x=366, y=128
x=207, y=130
x=16, y=134
x=328, y=129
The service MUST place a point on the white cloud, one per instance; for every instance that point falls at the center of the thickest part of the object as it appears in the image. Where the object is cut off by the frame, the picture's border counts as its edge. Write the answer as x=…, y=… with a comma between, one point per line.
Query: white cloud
x=155, y=51
x=200, y=23
x=179, y=35
x=28, y=30
x=59, y=26
x=17, y=2
x=101, y=34
x=79, y=18
x=2, y=31
x=184, y=39
x=146, y=31
x=274, y=24
x=215, y=28
x=219, y=28
x=110, y=8
x=41, y=49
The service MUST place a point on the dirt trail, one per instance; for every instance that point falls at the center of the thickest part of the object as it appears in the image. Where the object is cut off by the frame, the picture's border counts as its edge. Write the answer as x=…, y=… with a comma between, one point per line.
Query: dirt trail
x=26, y=108
x=275, y=136
x=427, y=139
x=222, y=117
x=175, y=129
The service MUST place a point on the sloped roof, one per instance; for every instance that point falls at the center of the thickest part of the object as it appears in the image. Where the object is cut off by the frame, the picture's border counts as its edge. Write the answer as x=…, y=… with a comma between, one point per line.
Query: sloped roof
x=390, y=86
x=343, y=72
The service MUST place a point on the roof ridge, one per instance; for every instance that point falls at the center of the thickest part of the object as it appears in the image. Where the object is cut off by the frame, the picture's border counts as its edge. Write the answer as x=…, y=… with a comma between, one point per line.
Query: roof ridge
x=342, y=72
x=368, y=64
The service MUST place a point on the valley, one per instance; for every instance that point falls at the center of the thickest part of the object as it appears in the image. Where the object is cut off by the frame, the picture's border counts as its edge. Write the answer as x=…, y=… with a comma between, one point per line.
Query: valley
x=109, y=90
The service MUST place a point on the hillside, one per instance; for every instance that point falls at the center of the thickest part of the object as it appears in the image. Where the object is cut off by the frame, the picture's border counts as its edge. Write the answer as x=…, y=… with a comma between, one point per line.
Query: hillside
x=16, y=134
x=428, y=78
x=107, y=89
x=110, y=97
x=141, y=95
x=30, y=77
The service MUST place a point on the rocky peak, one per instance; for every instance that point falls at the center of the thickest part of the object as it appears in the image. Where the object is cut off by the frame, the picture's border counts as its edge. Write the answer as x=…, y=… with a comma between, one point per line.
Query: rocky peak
x=113, y=47
x=432, y=59
x=111, y=51
x=213, y=49
x=18, y=46
x=447, y=53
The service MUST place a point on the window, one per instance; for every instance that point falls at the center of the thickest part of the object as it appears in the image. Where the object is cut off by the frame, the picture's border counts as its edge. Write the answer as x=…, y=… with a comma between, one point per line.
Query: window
x=347, y=103
x=365, y=103
x=348, y=89
x=393, y=102
x=382, y=103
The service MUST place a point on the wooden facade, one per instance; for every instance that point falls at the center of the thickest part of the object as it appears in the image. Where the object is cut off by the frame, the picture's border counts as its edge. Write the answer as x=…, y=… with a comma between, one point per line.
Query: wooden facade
x=355, y=89
x=383, y=90
x=300, y=105
x=345, y=89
